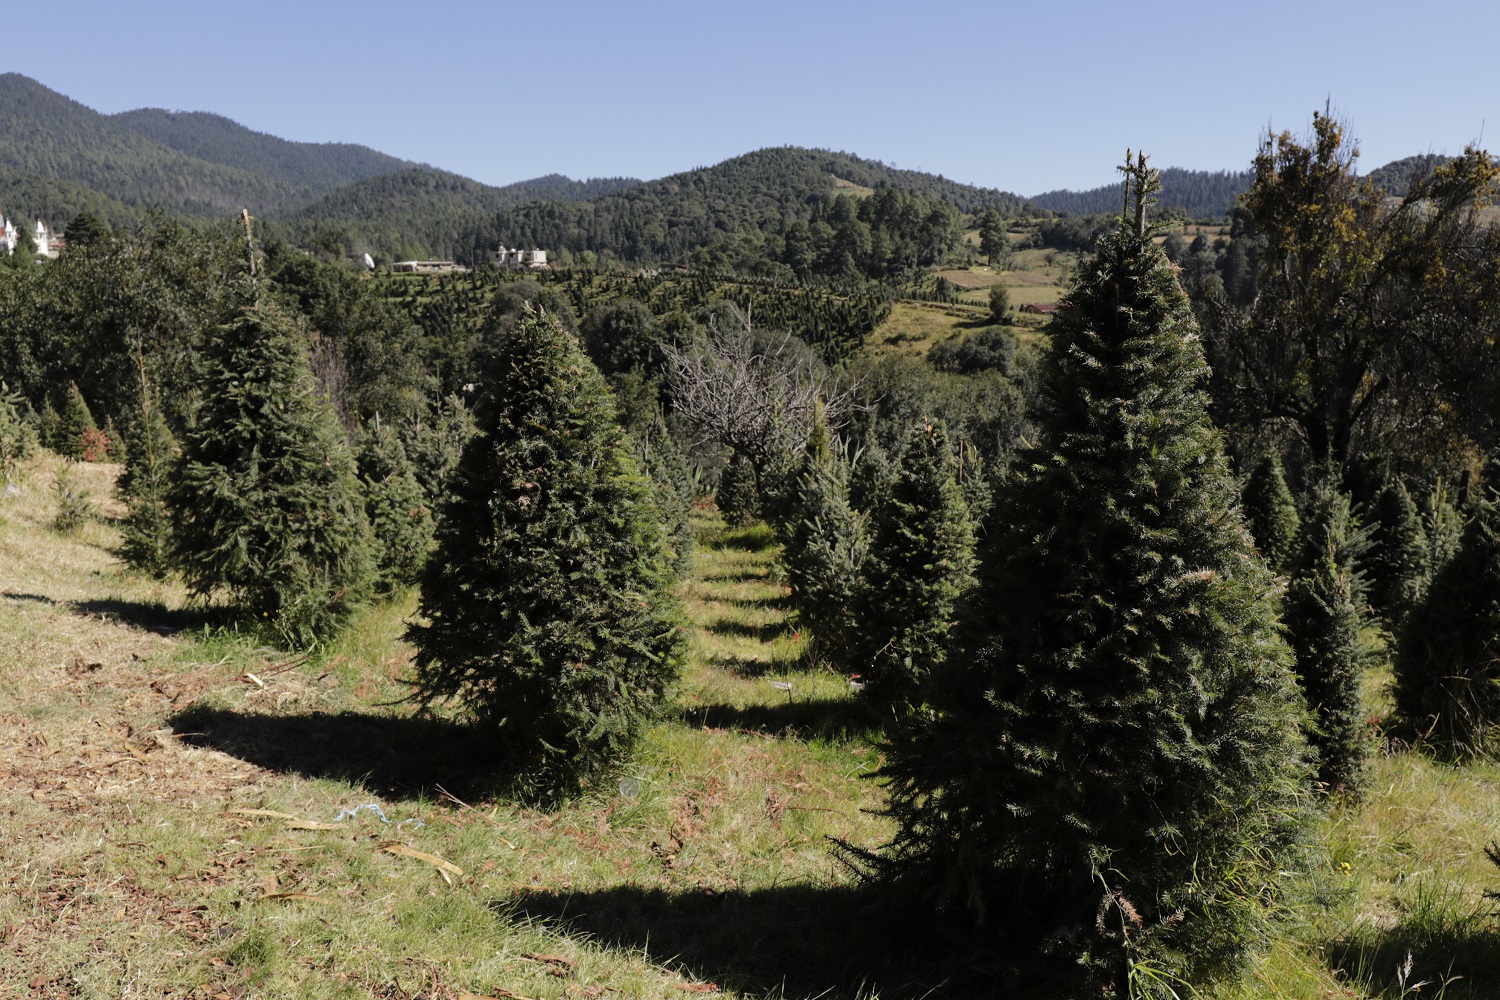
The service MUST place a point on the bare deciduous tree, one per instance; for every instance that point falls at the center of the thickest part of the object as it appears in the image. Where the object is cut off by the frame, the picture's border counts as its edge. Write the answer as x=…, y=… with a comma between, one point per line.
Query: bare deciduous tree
x=754, y=393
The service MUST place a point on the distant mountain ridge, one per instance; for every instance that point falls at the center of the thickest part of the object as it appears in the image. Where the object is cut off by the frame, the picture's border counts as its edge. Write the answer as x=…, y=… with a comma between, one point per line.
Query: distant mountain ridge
x=1203, y=194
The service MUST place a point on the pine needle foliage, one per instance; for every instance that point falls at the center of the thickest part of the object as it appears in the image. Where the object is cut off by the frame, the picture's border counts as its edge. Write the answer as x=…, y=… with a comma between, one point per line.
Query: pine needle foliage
x=1271, y=513
x=74, y=423
x=150, y=464
x=1111, y=763
x=546, y=612
x=825, y=552
x=1324, y=613
x=75, y=507
x=737, y=496
x=266, y=505
x=396, y=506
x=673, y=485
x=1398, y=555
x=17, y=438
x=921, y=563
x=1448, y=656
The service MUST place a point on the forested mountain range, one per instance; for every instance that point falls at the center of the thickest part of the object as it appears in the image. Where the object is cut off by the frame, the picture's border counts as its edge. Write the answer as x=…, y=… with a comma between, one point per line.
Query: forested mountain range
x=1202, y=194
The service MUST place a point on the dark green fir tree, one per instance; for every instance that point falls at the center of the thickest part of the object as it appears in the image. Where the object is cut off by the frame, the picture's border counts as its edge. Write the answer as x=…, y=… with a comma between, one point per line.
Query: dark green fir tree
x=824, y=553
x=1398, y=555
x=1271, y=513
x=1324, y=613
x=921, y=563
x=150, y=463
x=1447, y=671
x=17, y=439
x=74, y=424
x=1111, y=763
x=669, y=474
x=396, y=505
x=546, y=613
x=737, y=496
x=266, y=505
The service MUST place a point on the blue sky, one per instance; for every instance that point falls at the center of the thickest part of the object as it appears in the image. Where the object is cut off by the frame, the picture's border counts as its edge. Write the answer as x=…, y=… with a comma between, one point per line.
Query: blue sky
x=1022, y=96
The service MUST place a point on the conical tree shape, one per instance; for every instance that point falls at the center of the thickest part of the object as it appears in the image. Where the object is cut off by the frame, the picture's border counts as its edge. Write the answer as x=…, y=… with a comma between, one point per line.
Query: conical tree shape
x=17, y=439
x=1271, y=513
x=1113, y=757
x=547, y=612
x=150, y=461
x=1447, y=668
x=673, y=486
x=73, y=423
x=1324, y=614
x=736, y=496
x=266, y=503
x=1398, y=556
x=825, y=551
x=397, y=508
x=921, y=562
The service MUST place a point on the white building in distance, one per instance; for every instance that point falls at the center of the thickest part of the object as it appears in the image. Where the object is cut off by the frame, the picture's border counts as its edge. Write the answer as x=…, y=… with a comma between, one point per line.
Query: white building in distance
x=520, y=260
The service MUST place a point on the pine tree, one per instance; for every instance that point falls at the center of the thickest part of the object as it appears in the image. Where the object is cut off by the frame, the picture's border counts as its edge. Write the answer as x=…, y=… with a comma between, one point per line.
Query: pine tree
x=75, y=507
x=74, y=423
x=1271, y=513
x=49, y=427
x=150, y=462
x=266, y=503
x=1324, y=613
x=547, y=612
x=736, y=495
x=921, y=563
x=396, y=506
x=1111, y=761
x=1398, y=556
x=1447, y=672
x=824, y=552
x=674, y=488
x=17, y=438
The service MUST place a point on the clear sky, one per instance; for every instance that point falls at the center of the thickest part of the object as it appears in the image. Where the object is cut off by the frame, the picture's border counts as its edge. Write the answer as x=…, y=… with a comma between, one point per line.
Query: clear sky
x=1025, y=97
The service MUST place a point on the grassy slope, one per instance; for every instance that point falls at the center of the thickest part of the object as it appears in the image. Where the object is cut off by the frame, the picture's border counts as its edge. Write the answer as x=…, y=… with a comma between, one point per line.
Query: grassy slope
x=125, y=868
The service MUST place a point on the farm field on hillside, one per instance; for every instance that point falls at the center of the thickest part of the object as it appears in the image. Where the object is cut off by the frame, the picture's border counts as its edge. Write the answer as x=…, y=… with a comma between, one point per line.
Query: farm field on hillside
x=189, y=812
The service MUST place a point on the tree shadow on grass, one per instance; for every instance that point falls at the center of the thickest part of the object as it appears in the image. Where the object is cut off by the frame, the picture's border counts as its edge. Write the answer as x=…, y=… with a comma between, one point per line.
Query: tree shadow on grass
x=765, y=632
x=151, y=616
x=787, y=941
x=394, y=757
x=1458, y=959
x=819, y=718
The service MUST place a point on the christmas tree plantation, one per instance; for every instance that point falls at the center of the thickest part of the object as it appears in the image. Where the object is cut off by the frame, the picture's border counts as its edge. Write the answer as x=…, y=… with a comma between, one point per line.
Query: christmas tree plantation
x=1111, y=762
x=266, y=504
x=547, y=614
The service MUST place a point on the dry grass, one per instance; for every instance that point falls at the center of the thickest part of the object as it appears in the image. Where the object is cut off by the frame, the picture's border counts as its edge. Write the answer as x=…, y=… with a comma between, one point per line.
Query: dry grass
x=135, y=862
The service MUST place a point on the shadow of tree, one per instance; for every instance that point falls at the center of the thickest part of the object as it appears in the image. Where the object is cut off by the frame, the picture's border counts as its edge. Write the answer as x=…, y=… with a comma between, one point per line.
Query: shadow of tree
x=150, y=616
x=1458, y=959
x=12, y=595
x=821, y=718
x=765, y=632
x=395, y=757
x=787, y=941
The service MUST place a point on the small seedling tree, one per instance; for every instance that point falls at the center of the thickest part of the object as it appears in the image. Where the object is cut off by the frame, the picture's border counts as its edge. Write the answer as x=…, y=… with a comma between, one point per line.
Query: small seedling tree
x=546, y=614
x=150, y=461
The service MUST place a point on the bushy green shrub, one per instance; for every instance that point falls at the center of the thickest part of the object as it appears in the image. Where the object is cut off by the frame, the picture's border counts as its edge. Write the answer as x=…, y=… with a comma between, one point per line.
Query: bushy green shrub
x=75, y=507
x=546, y=613
x=1111, y=763
x=266, y=503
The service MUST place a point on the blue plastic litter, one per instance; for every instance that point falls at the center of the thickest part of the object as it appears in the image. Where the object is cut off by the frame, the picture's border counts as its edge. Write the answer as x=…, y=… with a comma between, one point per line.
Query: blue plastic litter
x=373, y=807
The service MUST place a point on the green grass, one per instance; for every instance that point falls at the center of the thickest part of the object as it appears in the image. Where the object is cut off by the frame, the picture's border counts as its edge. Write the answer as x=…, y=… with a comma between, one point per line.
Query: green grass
x=133, y=863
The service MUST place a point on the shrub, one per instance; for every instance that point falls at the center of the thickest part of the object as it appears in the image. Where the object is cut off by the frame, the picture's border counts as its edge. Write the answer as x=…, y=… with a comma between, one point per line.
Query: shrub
x=75, y=507
x=547, y=614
